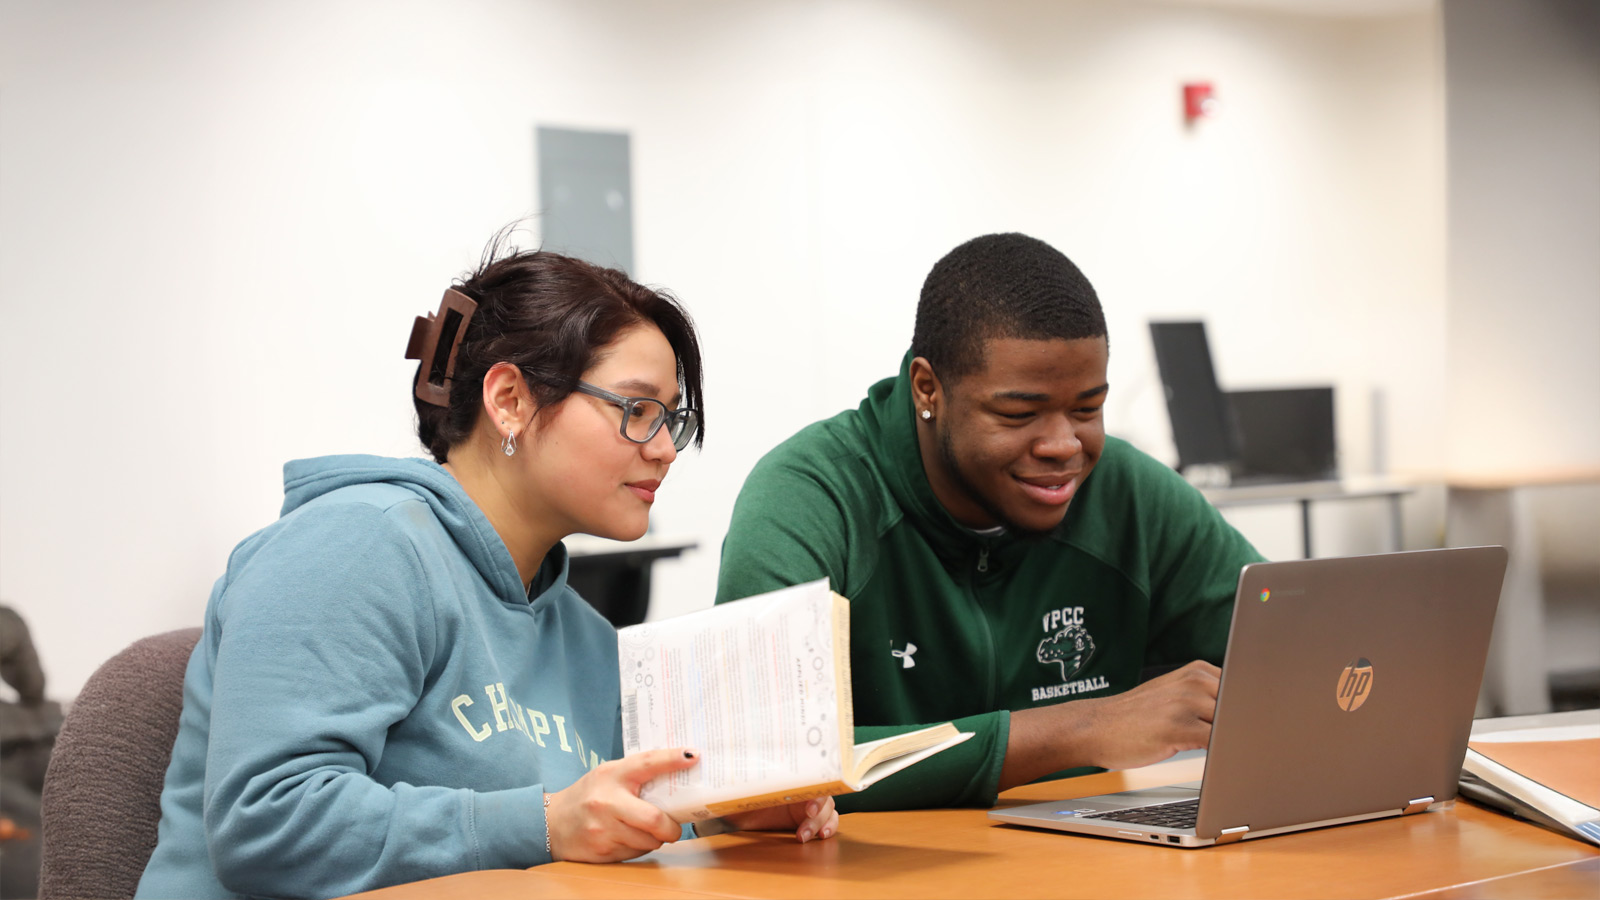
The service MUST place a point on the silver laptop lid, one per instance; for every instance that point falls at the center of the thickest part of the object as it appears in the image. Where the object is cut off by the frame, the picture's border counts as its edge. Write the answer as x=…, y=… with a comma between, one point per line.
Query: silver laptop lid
x=1349, y=686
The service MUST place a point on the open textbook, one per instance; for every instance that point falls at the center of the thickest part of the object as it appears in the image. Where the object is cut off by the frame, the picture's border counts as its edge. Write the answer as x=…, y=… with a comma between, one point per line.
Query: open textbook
x=1547, y=775
x=761, y=688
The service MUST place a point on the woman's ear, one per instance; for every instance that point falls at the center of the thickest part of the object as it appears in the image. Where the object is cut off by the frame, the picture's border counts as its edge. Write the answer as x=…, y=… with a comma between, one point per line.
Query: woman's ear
x=506, y=400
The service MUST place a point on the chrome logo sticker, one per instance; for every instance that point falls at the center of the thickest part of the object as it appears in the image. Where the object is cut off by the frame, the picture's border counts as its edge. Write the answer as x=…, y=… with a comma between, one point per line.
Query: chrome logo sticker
x=1355, y=685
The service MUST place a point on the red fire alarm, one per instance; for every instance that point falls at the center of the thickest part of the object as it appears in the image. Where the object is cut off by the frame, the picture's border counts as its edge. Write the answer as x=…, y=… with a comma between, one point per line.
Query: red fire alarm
x=1198, y=101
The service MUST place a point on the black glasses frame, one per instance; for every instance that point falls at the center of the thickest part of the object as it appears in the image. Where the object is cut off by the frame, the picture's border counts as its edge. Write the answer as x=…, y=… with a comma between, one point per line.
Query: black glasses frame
x=684, y=421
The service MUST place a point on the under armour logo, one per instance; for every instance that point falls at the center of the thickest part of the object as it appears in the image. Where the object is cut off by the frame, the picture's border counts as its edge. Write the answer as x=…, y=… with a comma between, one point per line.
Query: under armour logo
x=904, y=656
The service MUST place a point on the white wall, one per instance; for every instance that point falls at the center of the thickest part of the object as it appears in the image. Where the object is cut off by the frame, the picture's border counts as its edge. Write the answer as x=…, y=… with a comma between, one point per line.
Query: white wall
x=1524, y=229
x=1524, y=281
x=217, y=220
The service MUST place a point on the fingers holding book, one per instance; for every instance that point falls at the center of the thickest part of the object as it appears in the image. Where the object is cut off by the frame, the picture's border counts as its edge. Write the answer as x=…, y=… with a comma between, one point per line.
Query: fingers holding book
x=600, y=818
x=809, y=819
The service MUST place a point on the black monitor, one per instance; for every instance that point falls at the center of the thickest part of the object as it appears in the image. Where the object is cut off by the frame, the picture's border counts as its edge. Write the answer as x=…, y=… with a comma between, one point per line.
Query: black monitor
x=1285, y=434
x=1202, y=427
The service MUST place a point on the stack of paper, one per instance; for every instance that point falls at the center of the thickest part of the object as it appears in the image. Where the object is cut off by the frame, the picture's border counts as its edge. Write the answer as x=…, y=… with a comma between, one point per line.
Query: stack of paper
x=1548, y=775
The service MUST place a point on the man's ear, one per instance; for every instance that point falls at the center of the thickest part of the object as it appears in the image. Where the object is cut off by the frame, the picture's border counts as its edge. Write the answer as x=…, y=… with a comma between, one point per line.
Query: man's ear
x=927, y=393
x=506, y=400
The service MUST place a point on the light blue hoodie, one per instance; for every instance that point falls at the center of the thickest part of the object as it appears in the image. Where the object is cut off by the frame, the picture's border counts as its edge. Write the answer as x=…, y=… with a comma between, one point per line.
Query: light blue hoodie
x=375, y=700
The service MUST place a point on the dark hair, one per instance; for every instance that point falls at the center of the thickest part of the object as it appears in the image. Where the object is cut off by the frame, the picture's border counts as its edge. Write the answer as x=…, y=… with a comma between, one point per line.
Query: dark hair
x=551, y=316
x=1000, y=286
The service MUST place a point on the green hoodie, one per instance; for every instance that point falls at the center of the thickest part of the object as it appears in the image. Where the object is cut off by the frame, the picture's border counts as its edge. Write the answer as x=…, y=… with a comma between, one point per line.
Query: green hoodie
x=951, y=625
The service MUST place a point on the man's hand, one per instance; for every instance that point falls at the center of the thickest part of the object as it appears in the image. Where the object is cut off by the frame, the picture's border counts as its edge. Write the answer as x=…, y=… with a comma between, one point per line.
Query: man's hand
x=1138, y=727
x=600, y=818
x=809, y=819
x=1161, y=717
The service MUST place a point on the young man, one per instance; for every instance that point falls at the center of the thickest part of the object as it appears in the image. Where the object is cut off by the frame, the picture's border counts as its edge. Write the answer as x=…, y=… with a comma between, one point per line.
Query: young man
x=1010, y=567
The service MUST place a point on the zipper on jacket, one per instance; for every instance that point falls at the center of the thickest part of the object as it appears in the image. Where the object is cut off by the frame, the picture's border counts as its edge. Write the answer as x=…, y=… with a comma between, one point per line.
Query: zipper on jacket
x=983, y=559
x=981, y=617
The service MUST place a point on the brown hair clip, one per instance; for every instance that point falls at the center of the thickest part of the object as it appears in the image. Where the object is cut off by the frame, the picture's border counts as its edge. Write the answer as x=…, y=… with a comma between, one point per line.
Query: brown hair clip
x=430, y=334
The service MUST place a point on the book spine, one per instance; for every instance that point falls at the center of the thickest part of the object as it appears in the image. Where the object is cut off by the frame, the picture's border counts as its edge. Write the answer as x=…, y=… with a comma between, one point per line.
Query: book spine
x=842, y=674
x=777, y=798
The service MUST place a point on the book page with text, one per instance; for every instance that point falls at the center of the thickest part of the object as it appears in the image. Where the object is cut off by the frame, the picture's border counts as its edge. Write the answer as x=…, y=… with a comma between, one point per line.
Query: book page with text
x=750, y=685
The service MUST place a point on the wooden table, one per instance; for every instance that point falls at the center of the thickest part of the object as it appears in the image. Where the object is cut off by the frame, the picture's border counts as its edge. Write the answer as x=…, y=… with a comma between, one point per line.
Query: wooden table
x=1467, y=851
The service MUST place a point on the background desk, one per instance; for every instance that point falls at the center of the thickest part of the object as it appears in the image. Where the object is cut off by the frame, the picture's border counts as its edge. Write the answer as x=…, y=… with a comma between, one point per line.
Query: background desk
x=614, y=576
x=1306, y=493
x=1467, y=851
x=1492, y=508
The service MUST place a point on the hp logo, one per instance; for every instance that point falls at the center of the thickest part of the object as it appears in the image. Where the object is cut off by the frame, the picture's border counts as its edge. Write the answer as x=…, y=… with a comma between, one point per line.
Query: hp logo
x=1355, y=685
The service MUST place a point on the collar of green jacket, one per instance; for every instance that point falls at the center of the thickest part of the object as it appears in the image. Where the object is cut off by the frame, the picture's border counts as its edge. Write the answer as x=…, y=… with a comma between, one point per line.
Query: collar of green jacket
x=888, y=419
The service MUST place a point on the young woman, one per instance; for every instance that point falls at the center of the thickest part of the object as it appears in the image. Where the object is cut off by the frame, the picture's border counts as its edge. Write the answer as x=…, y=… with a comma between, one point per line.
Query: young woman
x=395, y=681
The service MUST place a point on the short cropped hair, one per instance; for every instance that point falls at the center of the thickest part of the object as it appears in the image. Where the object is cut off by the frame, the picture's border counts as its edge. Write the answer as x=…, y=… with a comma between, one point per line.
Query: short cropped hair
x=552, y=316
x=1000, y=286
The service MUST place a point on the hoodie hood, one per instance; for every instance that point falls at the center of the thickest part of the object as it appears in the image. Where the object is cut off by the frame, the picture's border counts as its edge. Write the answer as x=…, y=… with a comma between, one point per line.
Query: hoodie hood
x=307, y=480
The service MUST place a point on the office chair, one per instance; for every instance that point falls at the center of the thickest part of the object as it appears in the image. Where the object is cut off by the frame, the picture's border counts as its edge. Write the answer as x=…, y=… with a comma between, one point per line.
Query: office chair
x=102, y=792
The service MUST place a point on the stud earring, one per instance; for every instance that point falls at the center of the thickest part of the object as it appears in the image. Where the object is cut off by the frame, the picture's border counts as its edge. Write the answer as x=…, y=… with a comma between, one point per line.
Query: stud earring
x=509, y=445
x=927, y=415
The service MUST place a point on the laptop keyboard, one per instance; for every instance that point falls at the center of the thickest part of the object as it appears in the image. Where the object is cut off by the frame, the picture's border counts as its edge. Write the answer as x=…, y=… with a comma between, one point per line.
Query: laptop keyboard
x=1165, y=815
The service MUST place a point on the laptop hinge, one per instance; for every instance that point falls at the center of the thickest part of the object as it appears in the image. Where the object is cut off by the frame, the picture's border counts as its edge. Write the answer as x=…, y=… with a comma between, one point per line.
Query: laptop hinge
x=1416, y=806
x=1229, y=835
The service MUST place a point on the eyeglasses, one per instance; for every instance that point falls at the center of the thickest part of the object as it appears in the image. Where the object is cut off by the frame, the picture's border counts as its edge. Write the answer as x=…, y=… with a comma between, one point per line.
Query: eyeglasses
x=642, y=417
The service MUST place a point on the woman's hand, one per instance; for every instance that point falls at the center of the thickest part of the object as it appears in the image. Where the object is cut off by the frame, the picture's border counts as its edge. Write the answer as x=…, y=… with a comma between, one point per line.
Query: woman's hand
x=600, y=818
x=809, y=819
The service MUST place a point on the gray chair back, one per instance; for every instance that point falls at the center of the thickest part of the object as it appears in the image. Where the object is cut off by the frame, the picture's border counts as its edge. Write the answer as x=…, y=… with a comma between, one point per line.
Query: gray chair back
x=102, y=793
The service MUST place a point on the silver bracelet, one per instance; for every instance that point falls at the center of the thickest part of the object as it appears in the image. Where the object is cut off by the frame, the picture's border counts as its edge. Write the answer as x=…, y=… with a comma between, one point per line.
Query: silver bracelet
x=547, y=851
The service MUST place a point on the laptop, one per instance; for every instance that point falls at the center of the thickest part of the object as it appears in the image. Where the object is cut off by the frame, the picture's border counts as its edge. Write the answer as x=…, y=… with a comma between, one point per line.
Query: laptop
x=1347, y=694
